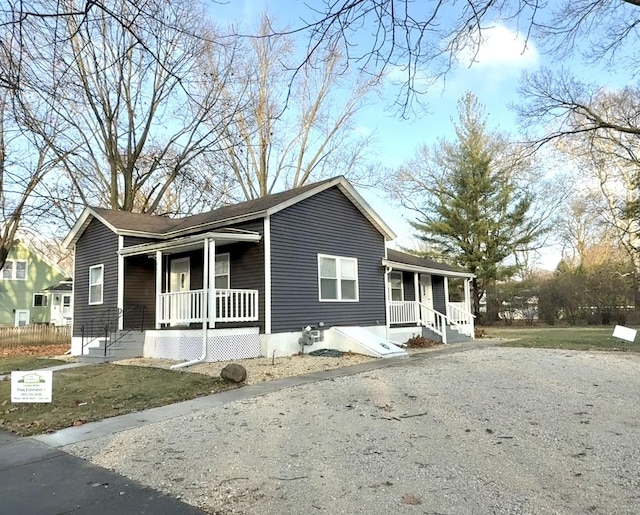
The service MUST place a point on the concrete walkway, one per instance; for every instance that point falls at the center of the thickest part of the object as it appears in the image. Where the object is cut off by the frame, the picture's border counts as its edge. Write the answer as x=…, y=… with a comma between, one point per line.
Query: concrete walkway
x=52, y=369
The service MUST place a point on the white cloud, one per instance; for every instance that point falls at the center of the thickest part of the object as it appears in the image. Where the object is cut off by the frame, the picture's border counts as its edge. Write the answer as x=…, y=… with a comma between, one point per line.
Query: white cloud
x=500, y=47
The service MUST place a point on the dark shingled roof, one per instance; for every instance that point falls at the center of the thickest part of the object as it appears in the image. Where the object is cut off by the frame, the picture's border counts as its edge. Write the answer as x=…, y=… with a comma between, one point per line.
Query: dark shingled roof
x=155, y=224
x=125, y=220
x=245, y=208
x=410, y=259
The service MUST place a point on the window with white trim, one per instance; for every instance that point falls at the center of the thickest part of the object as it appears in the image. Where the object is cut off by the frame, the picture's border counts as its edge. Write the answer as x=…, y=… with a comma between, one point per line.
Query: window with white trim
x=40, y=300
x=338, y=278
x=96, y=283
x=14, y=269
x=396, y=288
x=223, y=272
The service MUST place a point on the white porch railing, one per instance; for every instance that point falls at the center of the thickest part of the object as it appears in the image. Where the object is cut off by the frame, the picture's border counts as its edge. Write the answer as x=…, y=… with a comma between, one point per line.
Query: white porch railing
x=403, y=312
x=412, y=312
x=186, y=307
x=460, y=318
x=236, y=305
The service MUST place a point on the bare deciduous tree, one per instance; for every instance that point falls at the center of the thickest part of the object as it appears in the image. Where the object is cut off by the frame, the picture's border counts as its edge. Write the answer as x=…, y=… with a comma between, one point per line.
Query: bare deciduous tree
x=425, y=38
x=293, y=130
x=598, y=129
x=25, y=160
x=138, y=108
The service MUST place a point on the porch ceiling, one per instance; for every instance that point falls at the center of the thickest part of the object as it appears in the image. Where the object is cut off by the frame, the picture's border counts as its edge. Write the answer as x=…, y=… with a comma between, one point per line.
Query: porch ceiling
x=191, y=242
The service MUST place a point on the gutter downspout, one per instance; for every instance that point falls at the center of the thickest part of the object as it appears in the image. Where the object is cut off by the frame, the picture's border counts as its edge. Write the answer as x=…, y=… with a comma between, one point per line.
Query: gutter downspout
x=205, y=311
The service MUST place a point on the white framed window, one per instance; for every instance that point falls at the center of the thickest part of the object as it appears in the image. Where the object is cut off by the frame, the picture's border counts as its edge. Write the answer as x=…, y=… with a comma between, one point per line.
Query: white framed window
x=96, y=283
x=222, y=280
x=40, y=300
x=14, y=269
x=337, y=278
x=396, y=287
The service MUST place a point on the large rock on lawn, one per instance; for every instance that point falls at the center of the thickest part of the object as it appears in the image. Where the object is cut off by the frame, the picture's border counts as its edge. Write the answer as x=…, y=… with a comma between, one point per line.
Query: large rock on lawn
x=234, y=372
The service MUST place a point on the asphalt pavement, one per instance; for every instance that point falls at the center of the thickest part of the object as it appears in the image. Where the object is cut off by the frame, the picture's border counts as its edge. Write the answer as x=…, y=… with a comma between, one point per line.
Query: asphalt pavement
x=37, y=479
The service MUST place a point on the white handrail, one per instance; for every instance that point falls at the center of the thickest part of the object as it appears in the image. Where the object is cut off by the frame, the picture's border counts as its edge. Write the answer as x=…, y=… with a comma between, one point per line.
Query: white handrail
x=437, y=322
x=461, y=319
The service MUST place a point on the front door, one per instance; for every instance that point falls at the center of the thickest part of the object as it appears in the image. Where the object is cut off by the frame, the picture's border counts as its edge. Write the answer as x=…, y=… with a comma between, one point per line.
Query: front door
x=426, y=299
x=61, y=309
x=179, y=276
x=22, y=317
x=180, y=281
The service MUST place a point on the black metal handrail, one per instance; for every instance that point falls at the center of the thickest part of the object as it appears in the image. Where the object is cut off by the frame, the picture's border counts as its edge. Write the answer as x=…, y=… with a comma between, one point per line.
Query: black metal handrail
x=106, y=323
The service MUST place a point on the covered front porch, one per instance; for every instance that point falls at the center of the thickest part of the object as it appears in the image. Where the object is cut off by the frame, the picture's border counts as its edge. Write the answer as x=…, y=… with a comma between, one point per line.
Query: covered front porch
x=423, y=293
x=188, y=280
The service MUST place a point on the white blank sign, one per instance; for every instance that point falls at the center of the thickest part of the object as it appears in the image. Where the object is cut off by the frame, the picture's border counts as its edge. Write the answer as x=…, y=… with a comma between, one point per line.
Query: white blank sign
x=624, y=333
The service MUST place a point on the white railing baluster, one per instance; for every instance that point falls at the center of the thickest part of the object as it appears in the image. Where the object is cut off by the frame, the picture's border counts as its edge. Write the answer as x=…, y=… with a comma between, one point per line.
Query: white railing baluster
x=186, y=307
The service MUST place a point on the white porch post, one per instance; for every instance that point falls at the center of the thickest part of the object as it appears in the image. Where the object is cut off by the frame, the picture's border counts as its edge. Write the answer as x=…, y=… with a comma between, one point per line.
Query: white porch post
x=210, y=288
x=205, y=290
x=267, y=275
x=387, y=311
x=416, y=294
x=446, y=296
x=158, y=286
x=467, y=295
x=120, y=284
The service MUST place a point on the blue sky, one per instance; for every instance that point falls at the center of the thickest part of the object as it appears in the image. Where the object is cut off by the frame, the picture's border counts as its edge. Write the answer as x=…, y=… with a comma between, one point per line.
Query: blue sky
x=493, y=78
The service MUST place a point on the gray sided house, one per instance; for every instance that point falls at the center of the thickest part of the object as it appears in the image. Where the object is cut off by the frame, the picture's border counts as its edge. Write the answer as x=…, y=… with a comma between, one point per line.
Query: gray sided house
x=308, y=265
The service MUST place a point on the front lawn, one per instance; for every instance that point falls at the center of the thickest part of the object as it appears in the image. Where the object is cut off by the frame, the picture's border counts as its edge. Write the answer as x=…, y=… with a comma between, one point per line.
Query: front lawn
x=86, y=394
x=571, y=338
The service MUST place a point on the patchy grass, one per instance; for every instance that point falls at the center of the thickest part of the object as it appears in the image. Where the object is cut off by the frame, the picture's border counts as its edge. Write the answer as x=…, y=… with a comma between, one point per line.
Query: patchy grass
x=7, y=365
x=570, y=338
x=92, y=393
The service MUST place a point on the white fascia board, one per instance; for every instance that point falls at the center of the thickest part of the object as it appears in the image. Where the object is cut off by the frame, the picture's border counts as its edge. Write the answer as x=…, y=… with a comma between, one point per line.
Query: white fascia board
x=209, y=225
x=77, y=229
x=424, y=270
x=81, y=224
x=366, y=209
x=145, y=248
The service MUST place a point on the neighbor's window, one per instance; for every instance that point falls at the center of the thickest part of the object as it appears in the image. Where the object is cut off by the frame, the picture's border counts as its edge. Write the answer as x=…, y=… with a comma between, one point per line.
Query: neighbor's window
x=396, y=288
x=15, y=269
x=39, y=300
x=222, y=281
x=96, y=280
x=7, y=270
x=338, y=278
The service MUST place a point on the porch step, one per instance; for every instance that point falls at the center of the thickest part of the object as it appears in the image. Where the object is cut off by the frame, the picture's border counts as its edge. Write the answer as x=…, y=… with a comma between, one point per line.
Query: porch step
x=126, y=344
x=453, y=336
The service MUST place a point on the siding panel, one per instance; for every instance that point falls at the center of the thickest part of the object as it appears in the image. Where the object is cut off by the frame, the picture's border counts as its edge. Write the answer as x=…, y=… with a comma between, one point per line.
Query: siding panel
x=97, y=245
x=409, y=286
x=437, y=283
x=139, y=290
x=327, y=223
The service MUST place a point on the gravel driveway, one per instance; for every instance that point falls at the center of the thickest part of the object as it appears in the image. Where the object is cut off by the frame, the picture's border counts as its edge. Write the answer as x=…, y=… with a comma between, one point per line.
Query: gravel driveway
x=493, y=430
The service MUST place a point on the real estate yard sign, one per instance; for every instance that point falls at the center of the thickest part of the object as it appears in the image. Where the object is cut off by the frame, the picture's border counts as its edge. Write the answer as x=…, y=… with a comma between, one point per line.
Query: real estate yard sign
x=32, y=386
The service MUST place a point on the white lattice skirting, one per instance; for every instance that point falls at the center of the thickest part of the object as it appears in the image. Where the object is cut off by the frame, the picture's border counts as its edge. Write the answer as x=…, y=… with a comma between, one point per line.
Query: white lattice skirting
x=222, y=344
